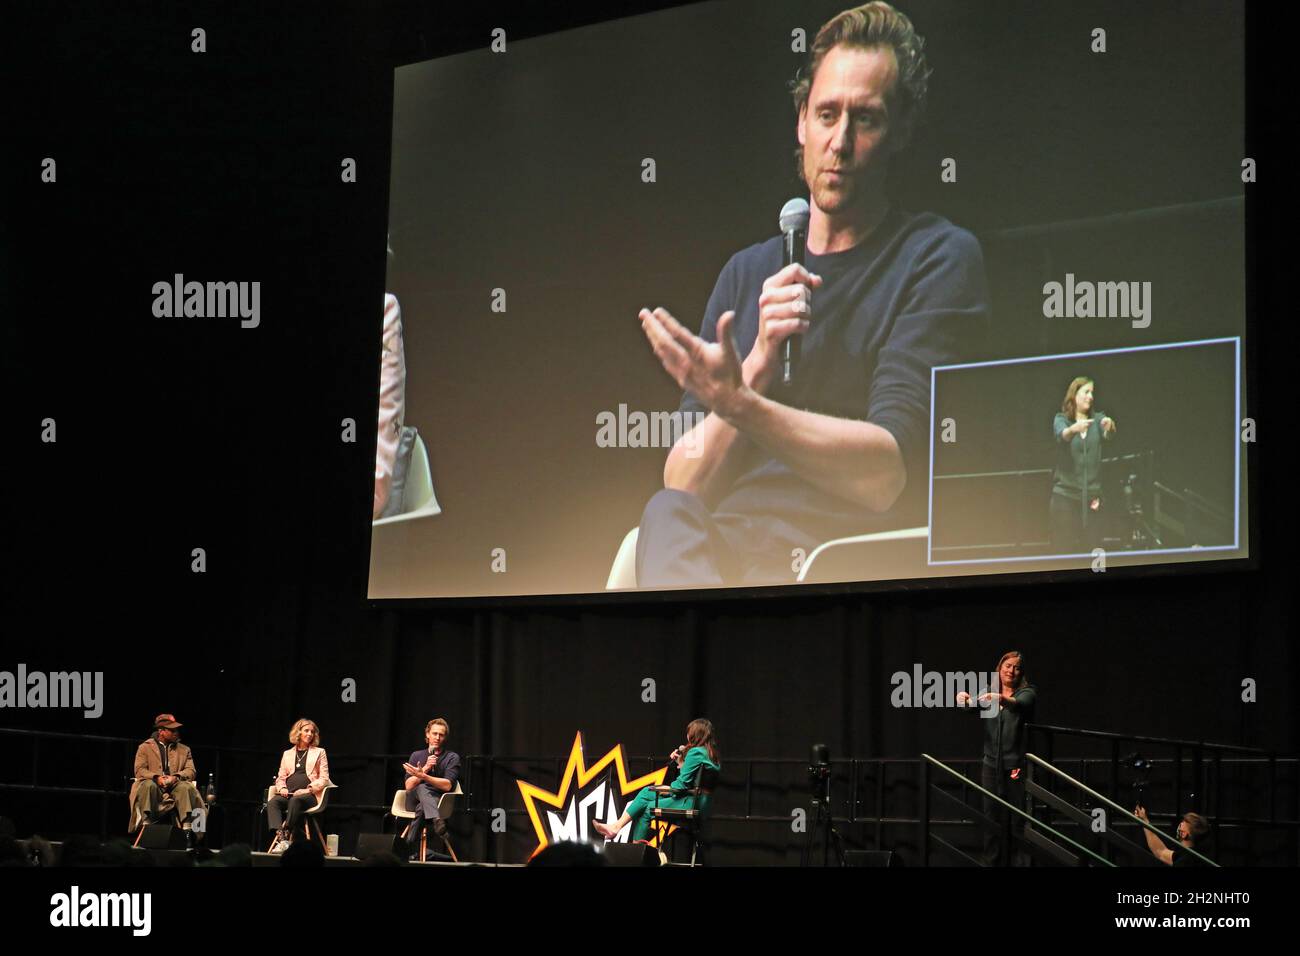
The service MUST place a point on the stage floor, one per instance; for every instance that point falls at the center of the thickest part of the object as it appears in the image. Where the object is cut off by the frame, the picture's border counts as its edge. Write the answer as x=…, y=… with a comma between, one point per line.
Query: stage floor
x=273, y=859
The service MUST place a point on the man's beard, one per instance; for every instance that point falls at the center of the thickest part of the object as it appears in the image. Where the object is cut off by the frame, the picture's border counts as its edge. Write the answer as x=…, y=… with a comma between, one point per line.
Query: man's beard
x=837, y=198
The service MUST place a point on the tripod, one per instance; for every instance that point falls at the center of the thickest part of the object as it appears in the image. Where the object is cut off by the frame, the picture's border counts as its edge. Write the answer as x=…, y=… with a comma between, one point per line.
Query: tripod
x=1140, y=533
x=823, y=825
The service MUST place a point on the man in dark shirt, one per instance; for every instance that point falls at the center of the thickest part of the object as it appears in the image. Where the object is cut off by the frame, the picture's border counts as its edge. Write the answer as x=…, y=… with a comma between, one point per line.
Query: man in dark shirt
x=1191, y=828
x=774, y=468
x=430, y=773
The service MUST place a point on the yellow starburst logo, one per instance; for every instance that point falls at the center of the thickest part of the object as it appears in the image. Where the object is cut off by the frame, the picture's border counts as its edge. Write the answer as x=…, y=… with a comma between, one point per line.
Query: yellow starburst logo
x=603, y=787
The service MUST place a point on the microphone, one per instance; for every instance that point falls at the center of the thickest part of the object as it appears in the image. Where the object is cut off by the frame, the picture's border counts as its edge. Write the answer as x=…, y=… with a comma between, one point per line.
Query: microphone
x=794, y=233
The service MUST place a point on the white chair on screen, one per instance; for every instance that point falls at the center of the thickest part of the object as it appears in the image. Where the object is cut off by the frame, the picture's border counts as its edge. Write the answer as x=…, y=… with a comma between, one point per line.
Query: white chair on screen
x=413, y=480
x=864, y=557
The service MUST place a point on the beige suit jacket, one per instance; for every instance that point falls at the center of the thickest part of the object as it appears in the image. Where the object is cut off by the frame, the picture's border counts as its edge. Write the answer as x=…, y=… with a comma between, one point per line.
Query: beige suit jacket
x=149, y=766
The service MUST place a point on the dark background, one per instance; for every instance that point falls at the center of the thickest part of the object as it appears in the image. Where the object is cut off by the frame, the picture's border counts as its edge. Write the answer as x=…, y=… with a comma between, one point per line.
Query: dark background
x=523, y=173
x=182, y=434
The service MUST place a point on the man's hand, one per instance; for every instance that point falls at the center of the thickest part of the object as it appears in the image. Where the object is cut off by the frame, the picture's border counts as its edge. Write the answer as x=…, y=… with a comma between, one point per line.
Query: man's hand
x=1141, y=813
x=854, y=460
x=430, y=764
x=414, y=771
x=711, y=371
x=165, y=781
x=784, y=309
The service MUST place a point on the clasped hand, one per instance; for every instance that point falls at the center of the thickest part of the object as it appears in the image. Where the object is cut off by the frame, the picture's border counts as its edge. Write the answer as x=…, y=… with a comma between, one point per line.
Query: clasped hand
x=713, y=371
x=1080, y=427
x=965, y=700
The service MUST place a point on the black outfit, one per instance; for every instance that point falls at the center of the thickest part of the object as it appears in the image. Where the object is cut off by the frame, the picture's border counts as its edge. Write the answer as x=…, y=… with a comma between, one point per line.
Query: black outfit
x=1002, y=769
x=279, y=808
x=1183, y=858
x=911, y=296
x=1076, y=482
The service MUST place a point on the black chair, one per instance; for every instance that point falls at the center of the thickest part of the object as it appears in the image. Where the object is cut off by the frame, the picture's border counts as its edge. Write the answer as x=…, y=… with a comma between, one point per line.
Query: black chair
x=693, y=819
x=141, y=821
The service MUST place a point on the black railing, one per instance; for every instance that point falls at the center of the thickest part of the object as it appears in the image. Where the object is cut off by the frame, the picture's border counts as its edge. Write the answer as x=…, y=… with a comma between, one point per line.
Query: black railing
x=1011, y=825
x=1184, y=751
x=1027, y=531
x=1082, y=808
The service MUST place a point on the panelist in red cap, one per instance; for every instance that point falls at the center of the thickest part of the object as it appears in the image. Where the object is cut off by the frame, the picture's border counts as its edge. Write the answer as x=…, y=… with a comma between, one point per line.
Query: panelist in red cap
x=164, y=776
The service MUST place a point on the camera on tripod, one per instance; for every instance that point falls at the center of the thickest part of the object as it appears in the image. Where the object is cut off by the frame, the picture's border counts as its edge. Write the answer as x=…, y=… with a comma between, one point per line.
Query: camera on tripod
x=819, y=772
x=1140, y=534
x=822, y=829
x=1132, y=502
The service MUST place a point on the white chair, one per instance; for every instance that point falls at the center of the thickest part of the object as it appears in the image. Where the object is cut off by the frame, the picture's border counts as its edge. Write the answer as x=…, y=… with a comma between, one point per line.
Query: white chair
x=623, y=572
x=873, y=557
x=418, y=499
x=446, y=807
x=869, y=557
x=309, y=818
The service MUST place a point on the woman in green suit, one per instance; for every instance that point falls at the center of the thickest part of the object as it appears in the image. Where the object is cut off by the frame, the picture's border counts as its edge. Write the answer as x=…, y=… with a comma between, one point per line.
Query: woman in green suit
x=700, y=751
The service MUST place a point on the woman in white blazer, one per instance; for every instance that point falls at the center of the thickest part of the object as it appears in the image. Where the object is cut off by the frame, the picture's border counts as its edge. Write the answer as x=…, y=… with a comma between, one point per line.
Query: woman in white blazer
x=304, y=775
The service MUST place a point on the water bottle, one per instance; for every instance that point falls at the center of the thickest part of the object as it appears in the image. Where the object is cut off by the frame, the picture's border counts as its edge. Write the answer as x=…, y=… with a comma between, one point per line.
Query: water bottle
x=210, y=795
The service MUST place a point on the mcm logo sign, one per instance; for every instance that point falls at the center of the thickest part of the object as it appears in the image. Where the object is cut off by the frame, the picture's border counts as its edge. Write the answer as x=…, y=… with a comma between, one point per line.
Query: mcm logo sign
x=586, y=793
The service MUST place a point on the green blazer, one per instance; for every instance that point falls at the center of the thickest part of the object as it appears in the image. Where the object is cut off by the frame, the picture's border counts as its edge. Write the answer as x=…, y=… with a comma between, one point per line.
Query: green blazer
x=696, y=759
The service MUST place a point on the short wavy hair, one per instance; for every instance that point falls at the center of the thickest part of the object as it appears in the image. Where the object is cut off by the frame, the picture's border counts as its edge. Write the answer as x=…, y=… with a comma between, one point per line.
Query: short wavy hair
x=297, y=729
x=1197, y=825
x=869, y=26
x=446, y=727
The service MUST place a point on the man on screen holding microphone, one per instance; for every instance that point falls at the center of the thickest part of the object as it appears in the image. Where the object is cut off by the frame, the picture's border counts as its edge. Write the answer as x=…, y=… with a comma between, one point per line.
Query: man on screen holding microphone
x=831, y=439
